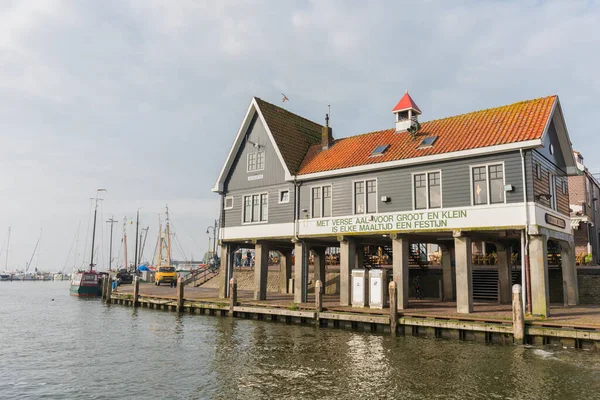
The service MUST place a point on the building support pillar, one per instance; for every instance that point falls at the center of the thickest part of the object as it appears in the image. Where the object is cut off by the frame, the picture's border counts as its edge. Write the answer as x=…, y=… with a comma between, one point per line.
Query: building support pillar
x=261, y=270
x=319, y=265
x=400, y=252
x=538, y=266
x=569, y=272
x=447, y=281
x=300, y=273
x=347, y=262
x=225, y=270
x=464, y=274
x=504, y=274
x=285, y=270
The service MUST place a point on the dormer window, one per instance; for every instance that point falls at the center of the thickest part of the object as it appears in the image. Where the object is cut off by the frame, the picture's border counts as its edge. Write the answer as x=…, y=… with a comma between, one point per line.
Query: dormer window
x=256, y=161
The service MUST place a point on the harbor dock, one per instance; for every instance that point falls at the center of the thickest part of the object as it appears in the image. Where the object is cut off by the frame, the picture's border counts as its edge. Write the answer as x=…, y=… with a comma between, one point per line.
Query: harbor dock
x=569, y=326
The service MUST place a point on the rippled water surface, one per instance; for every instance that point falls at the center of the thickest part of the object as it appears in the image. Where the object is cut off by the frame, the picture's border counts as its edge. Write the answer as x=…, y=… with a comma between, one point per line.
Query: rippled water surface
x=71, y=348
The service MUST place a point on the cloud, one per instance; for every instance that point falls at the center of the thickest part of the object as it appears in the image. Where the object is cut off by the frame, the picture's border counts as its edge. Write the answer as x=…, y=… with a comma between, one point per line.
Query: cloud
x=144, y=97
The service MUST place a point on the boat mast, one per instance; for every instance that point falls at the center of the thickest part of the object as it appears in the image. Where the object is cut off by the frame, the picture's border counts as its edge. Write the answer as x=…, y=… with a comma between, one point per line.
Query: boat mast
x=168, y=233
x=111, y=221
x=126, y=266
x=160, y=242
x=7, y=244
x=97, y=199
x=27, y=265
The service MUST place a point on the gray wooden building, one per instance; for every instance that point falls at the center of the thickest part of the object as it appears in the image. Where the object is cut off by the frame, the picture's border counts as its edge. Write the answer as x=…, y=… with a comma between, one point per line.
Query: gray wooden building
x=497, y=175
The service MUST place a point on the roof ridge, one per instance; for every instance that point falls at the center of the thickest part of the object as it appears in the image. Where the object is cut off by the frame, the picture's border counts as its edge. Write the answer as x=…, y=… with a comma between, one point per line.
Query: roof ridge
x=288, y=111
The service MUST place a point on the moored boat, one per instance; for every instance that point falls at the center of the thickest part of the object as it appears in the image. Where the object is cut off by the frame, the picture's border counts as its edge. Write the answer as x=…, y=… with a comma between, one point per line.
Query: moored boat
x=87, y=283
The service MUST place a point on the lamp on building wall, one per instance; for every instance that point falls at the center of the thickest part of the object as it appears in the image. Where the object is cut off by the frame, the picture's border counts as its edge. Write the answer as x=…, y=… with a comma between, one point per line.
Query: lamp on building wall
x=543, y=196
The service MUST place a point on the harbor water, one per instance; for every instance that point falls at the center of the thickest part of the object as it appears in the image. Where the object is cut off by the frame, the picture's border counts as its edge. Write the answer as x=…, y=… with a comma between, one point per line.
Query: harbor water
x=55, y=346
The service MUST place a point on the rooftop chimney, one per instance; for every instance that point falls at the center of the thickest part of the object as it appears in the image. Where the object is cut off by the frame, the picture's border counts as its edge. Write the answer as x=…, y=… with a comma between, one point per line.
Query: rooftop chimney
x=326, y=134
x=407, y=113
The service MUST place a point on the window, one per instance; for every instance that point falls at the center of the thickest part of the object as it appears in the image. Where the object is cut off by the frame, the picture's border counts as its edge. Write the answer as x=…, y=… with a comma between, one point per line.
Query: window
x=256, y=207
x=284, y=196
x=488, y=184
x=427, y=190
x=427, y=142
x=538, y=170
x=321, y=201
x=228, y=202
x=365, y=197
x=552, y=180
x=379, y=150
x=551, y=148
x=256, y=161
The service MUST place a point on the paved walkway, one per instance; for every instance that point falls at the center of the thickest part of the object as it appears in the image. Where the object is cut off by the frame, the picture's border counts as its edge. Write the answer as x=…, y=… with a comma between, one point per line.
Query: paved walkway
x=587, y=316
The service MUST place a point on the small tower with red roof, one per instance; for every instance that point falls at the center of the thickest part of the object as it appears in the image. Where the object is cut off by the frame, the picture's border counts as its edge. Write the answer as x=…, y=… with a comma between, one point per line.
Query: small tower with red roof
x=407, y=113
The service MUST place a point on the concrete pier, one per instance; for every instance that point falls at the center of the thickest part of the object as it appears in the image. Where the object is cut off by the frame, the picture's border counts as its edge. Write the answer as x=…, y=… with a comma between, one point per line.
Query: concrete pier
x=464, y=274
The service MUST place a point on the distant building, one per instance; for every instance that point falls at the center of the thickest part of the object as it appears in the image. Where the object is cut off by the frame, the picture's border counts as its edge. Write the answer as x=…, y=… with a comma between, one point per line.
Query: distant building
x=584, y=192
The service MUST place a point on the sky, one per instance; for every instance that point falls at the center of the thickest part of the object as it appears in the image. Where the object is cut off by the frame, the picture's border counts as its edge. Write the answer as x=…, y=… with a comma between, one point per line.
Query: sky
x=144, y=97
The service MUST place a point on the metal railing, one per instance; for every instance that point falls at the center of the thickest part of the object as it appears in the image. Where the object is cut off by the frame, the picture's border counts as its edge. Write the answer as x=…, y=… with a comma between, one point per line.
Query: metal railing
x=200, y=276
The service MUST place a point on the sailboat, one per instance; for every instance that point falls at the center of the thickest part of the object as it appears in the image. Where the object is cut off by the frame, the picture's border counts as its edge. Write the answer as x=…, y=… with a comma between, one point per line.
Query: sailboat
x=6, y=276
x=165, y=271
x=87, y=283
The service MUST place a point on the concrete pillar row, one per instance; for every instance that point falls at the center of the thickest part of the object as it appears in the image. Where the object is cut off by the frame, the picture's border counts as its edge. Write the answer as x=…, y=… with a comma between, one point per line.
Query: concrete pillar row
x=538, y=271
x=261, y=270
x=400, y=251
x=285, y=270
x=504, y=274
x=447, y=278
x=300, y=273
x=347, y=262
x=569, y=272
x=319, y=264
x=464, y=275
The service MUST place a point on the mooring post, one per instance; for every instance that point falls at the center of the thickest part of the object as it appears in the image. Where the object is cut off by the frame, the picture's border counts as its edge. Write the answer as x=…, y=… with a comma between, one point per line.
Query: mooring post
x=108, y=290
x=565, y=294
x=232, y=295
x=518, y=317
x=318, y=297
x=393, y=308
x=103, y=287
x=180, y=294
x=136, y=290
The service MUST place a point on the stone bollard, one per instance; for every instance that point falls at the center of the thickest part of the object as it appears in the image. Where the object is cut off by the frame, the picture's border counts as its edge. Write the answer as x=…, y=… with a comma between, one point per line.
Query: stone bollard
x=318, y=297
x=232, y=295
x=136, y=290
x=180, y=294
x=518, y=317
x=108, y=290
x=393, y=308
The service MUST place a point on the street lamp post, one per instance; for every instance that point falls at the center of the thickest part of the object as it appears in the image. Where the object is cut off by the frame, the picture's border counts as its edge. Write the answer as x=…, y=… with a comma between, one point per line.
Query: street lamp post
x=214, y=232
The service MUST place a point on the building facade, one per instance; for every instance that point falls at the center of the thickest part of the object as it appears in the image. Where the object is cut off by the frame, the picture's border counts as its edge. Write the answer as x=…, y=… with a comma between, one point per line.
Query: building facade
x=497, y=176
x=584, y=192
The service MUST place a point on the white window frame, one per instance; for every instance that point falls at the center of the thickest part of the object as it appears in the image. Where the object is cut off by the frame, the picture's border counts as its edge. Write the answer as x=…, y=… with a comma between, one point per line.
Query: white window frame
x=259, y=194
x=365, y=196
x=225, y=202
x=310, y=208
x=414, y=198
x=487, y=173
x=279, y=201
x=248, y=161
x=538, y=170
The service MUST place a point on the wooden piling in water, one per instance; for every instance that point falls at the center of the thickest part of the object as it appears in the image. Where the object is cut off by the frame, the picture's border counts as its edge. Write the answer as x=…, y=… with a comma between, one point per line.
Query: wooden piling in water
x=393, y=308
x=318, y=298
x=136, y=290
x=108, y=290
x=518, y=317
x=180, y=294
x=232, y=295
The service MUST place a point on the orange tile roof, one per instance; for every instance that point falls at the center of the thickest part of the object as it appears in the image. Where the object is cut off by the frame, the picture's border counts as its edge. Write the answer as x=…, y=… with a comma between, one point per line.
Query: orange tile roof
x=512, y=123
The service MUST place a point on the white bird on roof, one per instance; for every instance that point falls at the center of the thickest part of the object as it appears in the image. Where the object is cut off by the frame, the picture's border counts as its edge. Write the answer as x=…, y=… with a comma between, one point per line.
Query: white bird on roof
x=285, y=98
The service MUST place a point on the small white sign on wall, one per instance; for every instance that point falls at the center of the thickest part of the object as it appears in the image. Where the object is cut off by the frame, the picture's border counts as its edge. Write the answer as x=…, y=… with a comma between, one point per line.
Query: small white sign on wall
x=255, y=177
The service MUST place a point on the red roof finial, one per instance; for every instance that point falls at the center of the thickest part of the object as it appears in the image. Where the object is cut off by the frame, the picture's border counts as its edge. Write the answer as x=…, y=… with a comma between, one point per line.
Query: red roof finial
x=406, y=103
